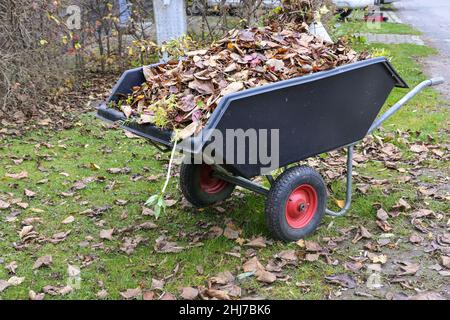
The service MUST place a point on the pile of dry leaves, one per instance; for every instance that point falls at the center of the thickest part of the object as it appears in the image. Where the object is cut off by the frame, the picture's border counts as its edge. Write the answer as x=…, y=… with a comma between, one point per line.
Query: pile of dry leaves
x=183, y=94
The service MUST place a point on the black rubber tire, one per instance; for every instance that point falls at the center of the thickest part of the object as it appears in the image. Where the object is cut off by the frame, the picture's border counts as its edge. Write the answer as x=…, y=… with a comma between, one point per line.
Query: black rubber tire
x=190, y=187
x=278, y=196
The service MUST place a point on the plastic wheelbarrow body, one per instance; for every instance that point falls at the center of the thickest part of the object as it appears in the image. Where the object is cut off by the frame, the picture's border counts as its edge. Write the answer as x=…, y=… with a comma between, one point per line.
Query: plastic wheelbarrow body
x=313, y=114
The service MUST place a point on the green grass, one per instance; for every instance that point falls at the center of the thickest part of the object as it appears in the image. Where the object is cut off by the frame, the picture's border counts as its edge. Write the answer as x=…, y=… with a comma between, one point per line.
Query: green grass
x=354, y=27
x=73, y=151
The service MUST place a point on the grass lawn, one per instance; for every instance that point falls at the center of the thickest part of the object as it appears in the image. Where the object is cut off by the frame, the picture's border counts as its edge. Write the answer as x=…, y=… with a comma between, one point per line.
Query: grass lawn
x=354, y=27
x=57, y=162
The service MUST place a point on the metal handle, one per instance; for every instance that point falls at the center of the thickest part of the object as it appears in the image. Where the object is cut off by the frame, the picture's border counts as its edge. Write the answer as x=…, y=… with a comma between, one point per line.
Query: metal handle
x=437, y=81
x=404, y=100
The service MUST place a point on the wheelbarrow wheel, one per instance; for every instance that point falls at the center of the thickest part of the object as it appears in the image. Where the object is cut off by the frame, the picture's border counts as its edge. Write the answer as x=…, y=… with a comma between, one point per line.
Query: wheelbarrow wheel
x=200, y=187
x=296, y=204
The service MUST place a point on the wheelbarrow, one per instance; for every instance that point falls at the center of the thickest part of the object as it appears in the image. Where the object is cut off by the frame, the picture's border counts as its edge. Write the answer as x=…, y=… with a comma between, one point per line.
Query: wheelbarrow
x=313, y=114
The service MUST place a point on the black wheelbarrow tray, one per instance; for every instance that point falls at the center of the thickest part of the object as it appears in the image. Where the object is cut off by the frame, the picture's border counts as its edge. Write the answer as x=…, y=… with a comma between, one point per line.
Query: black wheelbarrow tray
x=313, y=114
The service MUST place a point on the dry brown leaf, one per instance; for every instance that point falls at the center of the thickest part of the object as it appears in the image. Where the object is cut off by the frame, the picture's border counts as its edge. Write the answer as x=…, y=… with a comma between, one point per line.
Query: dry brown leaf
x=107, y=234
x=17, y=176
x=44, y=261
x=36, y=296
x=102, y=294
x=25, y=230
x=130, y=294
x=157, y=284
x=289, y=255
x=445, y=261
x=168, y=296
x=265, y=276
x=231, y=231
x=408, y=268
x=218, y=294
x=312, y=246
x=382, y=215
x=68, y=220
x=252, y=265
x=259, y=242
x=189, y=293
x=29, y=193
x=4, y=204
x=223, y=278
x=148, y=295
x=232, y=88
x=11, y=267
x=4, y=285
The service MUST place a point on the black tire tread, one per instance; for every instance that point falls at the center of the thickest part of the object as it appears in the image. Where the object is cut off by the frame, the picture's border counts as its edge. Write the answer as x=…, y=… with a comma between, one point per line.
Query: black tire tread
x=190, y=191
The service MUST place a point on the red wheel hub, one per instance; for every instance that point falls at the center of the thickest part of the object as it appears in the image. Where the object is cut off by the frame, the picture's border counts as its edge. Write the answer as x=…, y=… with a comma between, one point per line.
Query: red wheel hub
x=209, y=183
x=301, y=206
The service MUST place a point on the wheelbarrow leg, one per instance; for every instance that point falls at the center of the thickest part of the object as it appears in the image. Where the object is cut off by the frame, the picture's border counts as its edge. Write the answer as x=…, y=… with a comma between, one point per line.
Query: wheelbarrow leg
x=348, y=197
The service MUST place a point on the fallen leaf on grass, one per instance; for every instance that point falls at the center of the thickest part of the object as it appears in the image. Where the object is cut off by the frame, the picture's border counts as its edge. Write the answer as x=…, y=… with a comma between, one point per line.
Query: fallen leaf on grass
x=343, y=280
x=289, y=255
x=107, y=234
x=231, y=231
x=102, y=294
x=377, y=258
x=157, y=284
x=130, y=244
x=445, y=261
x=312, y=246
x=189, y=293
x=168, y=296
x=148, y=295
x=218, y=294
x=4, y=204
x=17, y=176
x=59, y=237
x=15, y=281
x=130, y=294
x=222, y=278
x=68, y=220
x=259, y=242
x=416, y=239
x=382, y=215
x=265, y=276
x=25, y=230
x=170, y=202
x=163, y=246
x=312, y=257
x=147, y=211
x=215, y=232
x=252, y=265
x=120, y=202
x=118, y=170
x=421, y=213
x=4, y=285
x=11, y=267
x=36, y=296
x=408, y=268
x=402, y=205
x=29, y=193
x=417, y=148
x=44, y=261
x=22, y=205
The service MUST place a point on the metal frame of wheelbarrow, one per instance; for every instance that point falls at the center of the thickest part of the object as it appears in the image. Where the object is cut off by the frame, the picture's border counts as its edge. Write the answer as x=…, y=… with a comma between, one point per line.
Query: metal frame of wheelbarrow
x=223, y=174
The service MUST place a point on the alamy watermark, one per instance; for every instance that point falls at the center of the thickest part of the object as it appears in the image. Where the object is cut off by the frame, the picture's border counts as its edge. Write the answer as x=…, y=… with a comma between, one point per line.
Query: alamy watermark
x=73, y=14
x=235, y=147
